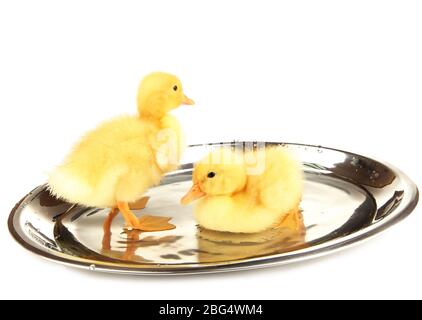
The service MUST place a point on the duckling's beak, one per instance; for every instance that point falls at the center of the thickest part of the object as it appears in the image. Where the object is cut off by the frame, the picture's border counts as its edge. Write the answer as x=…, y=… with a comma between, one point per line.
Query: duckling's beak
x=194, y=193
x=187, y=101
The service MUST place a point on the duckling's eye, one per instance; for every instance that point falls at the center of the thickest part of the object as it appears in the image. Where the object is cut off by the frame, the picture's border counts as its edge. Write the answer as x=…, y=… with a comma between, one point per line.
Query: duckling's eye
x=211, y=174
x=175, y=87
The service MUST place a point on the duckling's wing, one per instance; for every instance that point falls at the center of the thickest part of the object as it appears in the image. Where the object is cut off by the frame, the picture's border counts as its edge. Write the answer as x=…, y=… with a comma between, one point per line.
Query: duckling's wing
x=280, y=186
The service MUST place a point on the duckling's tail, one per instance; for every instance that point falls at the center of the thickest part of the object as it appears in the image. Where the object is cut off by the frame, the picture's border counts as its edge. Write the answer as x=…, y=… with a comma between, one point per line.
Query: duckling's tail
x=73, y=187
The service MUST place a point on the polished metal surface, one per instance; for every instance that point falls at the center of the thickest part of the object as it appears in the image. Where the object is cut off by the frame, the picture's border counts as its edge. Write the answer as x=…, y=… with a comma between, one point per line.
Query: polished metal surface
x=347, y=198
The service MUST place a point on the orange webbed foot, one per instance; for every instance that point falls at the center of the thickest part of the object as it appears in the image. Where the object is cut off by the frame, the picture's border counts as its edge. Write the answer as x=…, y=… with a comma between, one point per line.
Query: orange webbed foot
x=153, y=223
x=144, y=223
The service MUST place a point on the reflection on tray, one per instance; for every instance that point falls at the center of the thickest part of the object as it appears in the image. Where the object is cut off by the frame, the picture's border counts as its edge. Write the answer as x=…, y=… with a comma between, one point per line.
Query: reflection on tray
x=211, y=246
x=131, y=243
x=217, y=246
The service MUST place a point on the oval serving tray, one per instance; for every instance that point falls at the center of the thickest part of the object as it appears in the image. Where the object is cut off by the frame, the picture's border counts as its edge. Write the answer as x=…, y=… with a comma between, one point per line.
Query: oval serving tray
x=347, y=198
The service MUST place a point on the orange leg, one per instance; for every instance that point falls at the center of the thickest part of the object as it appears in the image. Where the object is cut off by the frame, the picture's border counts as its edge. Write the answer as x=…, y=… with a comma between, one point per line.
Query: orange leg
x=107, y=228
x=144, y=223
x=109, y=220
x=128, y=215
x=139, y=204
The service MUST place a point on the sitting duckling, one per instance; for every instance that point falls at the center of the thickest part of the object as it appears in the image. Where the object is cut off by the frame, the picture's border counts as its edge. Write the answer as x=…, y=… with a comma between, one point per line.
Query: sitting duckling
x=114, y=164
x=232, y=199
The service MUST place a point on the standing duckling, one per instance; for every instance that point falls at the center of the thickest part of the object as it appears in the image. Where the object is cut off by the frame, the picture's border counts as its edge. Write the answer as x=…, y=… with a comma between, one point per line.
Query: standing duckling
x=232, y=199
x=114, y=164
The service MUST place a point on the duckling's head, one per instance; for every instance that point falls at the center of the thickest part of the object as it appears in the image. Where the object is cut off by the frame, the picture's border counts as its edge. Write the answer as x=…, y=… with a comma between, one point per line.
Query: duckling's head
x=159, y=93
x=221, y=172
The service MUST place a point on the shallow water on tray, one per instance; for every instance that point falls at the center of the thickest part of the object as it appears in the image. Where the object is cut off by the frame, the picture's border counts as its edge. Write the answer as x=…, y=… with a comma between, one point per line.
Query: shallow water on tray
x=331, y=207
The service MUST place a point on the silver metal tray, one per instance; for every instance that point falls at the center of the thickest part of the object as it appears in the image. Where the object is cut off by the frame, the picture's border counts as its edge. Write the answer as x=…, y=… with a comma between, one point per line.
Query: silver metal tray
x=347, y=198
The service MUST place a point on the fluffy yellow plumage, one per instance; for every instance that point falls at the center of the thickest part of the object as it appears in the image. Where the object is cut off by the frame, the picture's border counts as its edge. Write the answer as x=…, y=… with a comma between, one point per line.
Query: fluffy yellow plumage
x=118, y=161
x=236, y=197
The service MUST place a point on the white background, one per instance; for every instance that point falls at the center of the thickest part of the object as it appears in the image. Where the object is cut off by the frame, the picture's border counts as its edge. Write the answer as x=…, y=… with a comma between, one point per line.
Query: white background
x=344, y=74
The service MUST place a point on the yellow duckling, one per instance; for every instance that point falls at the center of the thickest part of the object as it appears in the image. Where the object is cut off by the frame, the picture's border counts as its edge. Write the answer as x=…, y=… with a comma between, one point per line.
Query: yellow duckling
x=114, y=164
x=235, y=198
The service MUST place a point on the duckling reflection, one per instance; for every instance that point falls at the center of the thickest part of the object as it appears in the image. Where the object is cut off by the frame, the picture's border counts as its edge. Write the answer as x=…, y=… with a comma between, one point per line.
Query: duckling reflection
x=130, y=242
x=217, y=246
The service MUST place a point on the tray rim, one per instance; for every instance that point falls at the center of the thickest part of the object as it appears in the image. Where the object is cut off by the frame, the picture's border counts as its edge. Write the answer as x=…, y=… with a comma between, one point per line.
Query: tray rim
x=317, y=251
